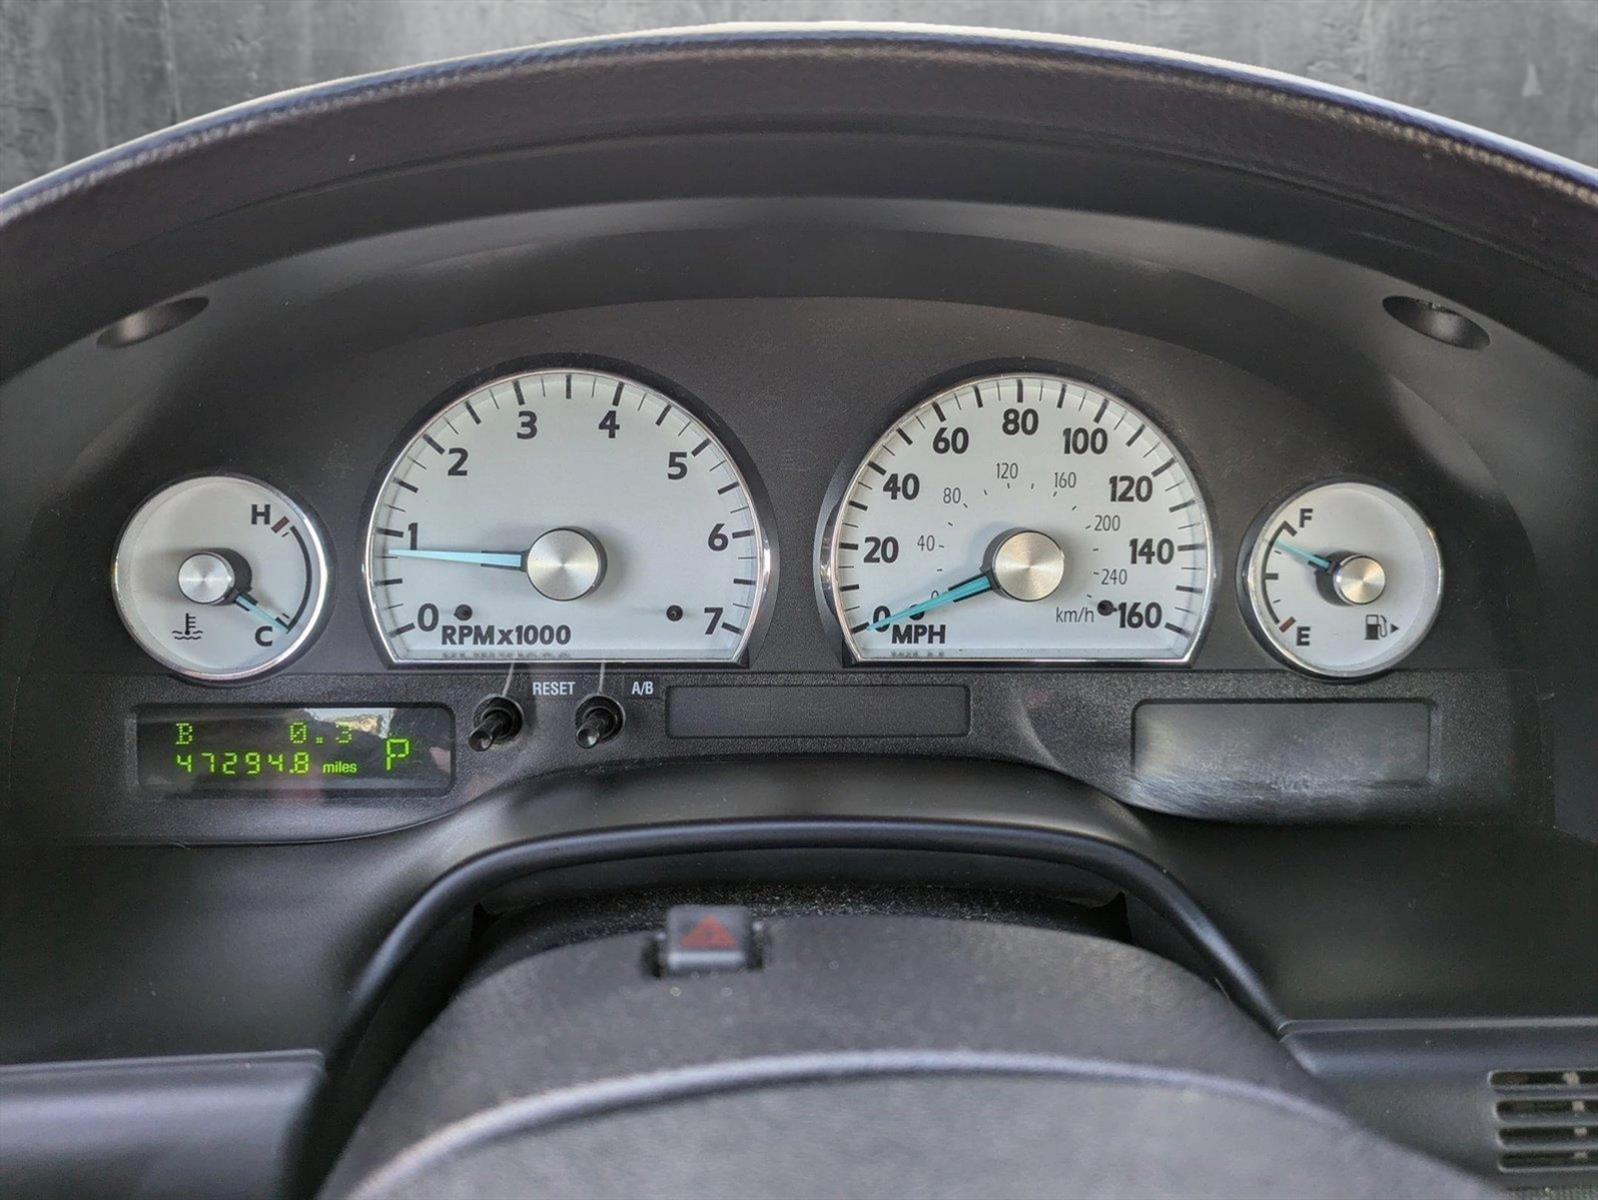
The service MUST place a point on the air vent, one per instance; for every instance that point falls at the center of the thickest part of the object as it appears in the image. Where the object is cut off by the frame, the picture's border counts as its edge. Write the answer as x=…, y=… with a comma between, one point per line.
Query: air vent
x=1547, y=1120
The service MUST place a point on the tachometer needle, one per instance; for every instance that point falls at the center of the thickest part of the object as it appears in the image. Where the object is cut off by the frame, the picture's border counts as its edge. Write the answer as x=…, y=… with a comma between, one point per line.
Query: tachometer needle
x=974, y=586
x=480, y=558
x=1314, y=560
x=248, y=605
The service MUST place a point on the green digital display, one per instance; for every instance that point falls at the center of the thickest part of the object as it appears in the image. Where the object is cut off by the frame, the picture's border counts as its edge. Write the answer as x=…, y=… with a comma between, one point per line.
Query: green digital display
x=323, y=750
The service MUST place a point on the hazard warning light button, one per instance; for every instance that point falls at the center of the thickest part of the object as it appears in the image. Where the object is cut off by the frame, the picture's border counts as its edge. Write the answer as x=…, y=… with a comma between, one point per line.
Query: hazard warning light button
x=708, y=938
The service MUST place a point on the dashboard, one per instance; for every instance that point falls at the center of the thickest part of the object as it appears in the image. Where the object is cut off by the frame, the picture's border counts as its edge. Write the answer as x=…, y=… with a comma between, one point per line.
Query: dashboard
x=515, y=513
x=732, y=488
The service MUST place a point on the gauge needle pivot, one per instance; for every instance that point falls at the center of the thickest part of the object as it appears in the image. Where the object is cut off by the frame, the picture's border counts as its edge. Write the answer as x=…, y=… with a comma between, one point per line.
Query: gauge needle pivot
x=974, y=586
x=1303, y=555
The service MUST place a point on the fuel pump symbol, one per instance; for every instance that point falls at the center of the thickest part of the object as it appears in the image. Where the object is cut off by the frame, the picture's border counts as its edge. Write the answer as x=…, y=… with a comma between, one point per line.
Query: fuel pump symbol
x=1377, y=627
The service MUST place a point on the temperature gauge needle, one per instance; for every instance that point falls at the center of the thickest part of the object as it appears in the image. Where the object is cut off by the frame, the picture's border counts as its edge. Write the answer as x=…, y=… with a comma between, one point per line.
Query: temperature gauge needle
x=1298, y=552
x=974, y=586
x=480, y=558
x=249, y=605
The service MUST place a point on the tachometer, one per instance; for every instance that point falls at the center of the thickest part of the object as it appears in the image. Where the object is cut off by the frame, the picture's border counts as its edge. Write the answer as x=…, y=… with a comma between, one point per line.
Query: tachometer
x=570, y=514
x=1023, y=517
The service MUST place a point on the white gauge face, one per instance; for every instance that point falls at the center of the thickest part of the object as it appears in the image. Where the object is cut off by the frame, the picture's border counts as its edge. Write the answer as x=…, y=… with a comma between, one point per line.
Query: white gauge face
x=565, y=514
x=220, y=577
x=1025, y=517
x=1344, y=579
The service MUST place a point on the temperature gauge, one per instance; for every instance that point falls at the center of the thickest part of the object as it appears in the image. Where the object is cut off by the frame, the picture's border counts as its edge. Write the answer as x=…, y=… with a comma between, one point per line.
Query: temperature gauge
x=1344, y=579
x=220, y=577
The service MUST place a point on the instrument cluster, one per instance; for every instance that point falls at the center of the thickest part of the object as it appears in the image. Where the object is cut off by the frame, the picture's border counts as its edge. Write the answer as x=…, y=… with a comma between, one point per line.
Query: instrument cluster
x=570, y=514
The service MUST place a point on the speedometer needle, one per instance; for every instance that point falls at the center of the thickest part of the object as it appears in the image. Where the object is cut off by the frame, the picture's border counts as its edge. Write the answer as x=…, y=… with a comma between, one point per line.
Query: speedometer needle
x=1314, y=560
x=974, y=586
x=480, y=558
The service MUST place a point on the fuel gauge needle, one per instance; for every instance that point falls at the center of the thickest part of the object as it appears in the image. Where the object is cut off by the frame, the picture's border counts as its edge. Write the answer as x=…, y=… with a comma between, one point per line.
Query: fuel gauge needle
x=1298, y=552
x=249, y=605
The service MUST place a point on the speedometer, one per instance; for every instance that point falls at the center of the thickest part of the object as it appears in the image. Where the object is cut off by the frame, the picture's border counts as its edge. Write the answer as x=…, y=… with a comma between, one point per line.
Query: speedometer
x=565, y=514
x=1022, y=517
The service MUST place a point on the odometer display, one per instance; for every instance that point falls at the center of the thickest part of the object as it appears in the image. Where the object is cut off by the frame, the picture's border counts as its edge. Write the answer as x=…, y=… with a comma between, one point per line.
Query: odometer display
x=565, y=514
x=252, y=749
x=1022, y=517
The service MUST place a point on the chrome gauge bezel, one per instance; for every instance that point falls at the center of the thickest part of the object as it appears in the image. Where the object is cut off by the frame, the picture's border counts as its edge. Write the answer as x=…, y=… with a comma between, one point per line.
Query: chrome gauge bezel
x=765, y=566
x=1250, y=600
x=317, y=604
x=828, y=553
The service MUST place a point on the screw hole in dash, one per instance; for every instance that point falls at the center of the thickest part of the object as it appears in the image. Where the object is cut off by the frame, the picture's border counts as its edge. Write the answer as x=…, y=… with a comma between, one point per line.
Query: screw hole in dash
x=152, y=322
x=1436, y=321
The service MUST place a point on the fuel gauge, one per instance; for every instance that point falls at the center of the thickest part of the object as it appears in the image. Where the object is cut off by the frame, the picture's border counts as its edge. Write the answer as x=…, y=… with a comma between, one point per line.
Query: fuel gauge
x=1344, y=579
x=220, y=577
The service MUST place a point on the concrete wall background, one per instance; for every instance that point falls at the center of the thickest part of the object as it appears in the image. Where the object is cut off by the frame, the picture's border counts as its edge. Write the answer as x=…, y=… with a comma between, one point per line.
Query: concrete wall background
x=79, y=75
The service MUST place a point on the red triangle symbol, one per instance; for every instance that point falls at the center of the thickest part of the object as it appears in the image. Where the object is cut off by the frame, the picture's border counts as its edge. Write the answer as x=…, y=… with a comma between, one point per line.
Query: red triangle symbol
x=709, y=934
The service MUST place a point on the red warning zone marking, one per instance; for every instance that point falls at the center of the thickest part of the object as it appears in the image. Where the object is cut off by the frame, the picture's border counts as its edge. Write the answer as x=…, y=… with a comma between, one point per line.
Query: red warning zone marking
x=709, y=934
